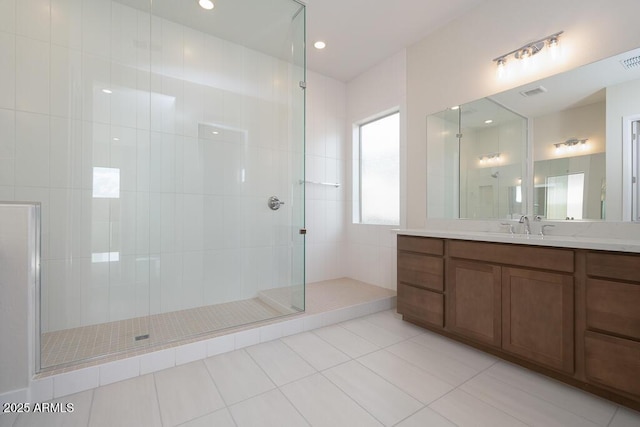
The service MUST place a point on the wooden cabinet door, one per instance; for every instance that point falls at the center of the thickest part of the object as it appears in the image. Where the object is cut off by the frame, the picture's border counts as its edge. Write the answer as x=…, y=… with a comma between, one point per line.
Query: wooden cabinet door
x=537, y=317
x=473, y=301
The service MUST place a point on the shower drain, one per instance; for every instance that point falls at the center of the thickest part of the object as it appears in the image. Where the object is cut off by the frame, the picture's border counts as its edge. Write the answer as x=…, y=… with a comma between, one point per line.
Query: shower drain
x=142, y=337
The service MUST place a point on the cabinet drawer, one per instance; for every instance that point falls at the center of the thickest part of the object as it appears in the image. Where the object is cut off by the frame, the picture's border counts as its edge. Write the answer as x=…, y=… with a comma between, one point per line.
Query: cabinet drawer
x=421, y=304
x=421, y=270
x=425, y=245
x=614, y=362
x=614, y=266
x=517, y=255
x=614, y=307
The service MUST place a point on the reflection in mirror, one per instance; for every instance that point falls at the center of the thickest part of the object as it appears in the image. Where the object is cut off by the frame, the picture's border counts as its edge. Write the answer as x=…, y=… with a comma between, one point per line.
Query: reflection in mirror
x=580, y=123
x=481, y=146
x=569, y=167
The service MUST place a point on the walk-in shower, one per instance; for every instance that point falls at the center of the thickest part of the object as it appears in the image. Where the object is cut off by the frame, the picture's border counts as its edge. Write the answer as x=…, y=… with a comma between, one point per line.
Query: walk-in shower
x=154, y=133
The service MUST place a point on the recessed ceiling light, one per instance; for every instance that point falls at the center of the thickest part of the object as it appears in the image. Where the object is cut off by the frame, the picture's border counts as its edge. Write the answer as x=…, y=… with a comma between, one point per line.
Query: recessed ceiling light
x=455, y=107
x=488, y=121
x=116, y=139
x=108, y=91
x=215, y=132
x=206, y=4
x=319, y=44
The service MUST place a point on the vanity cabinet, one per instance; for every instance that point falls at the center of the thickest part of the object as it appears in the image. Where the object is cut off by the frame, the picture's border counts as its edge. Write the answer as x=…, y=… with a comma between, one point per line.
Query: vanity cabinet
x=537, y=317
x=494, y=300
x=421, y=279
x=573, y=314
x=612, y=340
x=473, y=301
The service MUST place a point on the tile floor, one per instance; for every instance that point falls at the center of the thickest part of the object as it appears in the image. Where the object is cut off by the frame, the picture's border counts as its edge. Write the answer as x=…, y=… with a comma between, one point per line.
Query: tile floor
x=371, y=371
x=86, y=342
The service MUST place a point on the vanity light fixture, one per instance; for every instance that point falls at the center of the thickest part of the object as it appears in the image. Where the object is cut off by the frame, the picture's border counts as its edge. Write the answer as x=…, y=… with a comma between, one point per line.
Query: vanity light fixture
x=527, y=51
x=206, y=4
x=571, y=144
x=490, y=158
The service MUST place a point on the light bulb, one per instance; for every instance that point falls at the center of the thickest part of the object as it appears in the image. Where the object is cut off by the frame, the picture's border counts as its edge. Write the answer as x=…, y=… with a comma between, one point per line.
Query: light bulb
x=501, y=68
x=554, y=48
x=206, y=4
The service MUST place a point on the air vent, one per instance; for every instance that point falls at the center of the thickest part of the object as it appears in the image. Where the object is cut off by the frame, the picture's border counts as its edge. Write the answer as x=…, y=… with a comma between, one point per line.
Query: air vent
x=535, y=91
x=630, y=63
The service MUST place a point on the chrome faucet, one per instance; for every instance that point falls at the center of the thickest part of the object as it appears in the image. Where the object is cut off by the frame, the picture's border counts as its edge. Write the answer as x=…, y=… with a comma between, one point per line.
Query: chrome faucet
x=527, y=227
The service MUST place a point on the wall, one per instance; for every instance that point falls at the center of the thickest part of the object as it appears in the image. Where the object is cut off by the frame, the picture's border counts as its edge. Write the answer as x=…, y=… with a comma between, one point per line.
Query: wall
x=620, y=105
x=587, y=121
x=372, y=248
x=326, y=161
x=17, y=287
x=190, y=224
x=454, y=64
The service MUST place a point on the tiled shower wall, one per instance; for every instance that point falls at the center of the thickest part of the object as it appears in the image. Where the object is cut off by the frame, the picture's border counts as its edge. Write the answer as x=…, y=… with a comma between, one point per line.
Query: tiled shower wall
x=190, y=224
x=326, y=161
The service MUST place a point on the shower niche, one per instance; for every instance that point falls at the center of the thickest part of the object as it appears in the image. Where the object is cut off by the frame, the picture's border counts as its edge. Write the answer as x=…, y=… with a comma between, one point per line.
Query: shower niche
x=165, y=129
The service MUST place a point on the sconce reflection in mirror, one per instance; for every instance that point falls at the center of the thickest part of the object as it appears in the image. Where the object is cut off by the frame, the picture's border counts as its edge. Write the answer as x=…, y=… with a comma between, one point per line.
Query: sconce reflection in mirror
x=570, y=145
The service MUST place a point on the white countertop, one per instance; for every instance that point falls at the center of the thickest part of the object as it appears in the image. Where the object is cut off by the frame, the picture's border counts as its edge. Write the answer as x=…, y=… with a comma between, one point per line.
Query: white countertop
x=582, y=242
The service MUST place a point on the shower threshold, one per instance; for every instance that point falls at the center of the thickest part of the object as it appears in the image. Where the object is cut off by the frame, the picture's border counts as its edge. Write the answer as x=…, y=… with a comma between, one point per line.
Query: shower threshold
x=70, y=349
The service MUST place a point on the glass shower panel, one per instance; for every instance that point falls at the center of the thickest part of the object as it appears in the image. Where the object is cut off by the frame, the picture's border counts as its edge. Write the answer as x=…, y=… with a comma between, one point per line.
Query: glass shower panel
x=94, y=293
x=167, y=130
x=226, y=112
x=297, y=230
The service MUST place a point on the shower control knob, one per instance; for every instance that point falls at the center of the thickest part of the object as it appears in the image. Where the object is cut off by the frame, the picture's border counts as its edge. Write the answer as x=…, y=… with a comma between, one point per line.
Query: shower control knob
x=274, y=203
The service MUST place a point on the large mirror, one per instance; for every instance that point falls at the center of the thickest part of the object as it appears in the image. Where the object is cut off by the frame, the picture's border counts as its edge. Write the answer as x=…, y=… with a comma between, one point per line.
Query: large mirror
x=572, y=125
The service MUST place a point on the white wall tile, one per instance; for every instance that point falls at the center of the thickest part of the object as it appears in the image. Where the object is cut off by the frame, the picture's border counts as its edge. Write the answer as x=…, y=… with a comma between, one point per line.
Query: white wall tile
x=191, y=352
x=41, y=390
x=75, y=381
x=66, y=23
x=96, y=76
x=32, y=78
x=65, y=153
x=124, y=34
x=271, y=332
x=219, y=345
x=157, y=361
x=95, y=293
x=33, y=19
x=246, y=338
x=65, y=214
x=119, y=370
x=8, y=16
x=66, y=72
x=32, y=150
x=7, y=147
x=8, y=70
x=172, y=49
x=96, y=27
x=193, y=279
x=124, y=82
x=193, y=165
x=171, y=296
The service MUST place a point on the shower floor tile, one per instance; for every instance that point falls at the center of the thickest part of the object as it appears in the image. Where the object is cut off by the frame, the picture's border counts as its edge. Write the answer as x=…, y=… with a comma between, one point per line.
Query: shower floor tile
x=78, y=344
x=89, y=345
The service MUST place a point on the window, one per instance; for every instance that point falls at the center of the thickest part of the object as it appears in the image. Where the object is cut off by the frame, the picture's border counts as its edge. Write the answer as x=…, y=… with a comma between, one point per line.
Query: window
x=379, y=171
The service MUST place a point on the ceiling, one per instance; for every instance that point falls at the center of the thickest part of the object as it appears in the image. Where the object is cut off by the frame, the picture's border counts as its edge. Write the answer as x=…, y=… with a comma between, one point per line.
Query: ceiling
x=361, y=33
